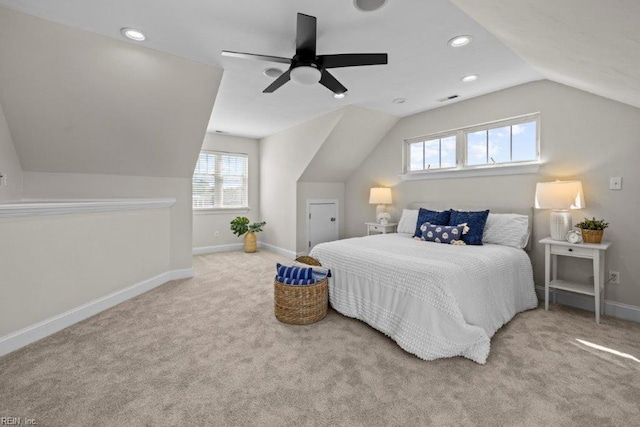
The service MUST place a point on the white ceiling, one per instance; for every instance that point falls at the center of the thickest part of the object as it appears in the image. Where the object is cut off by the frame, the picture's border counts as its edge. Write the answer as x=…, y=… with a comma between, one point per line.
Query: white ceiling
x=592, y=45
x=422, y=67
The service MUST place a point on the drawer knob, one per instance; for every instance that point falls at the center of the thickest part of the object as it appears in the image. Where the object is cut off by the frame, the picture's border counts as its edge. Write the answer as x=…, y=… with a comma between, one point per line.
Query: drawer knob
x=570, y=249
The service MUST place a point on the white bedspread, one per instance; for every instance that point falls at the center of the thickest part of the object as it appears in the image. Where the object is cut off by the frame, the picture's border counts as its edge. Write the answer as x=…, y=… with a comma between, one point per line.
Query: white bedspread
x=434, y=300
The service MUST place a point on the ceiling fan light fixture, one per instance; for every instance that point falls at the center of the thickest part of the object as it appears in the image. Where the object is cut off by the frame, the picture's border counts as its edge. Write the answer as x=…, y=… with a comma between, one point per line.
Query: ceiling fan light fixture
x=460, y=41
x=305, y=75
x=368, y=5
x=133, y=34
x=339, y=95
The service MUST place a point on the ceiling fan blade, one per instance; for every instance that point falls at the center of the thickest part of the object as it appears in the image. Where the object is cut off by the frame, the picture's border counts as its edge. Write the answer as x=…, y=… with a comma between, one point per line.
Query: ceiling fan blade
x=352, y=60
x=331, y=83
x=306, y=35
x=284, y=77
x=255, y=56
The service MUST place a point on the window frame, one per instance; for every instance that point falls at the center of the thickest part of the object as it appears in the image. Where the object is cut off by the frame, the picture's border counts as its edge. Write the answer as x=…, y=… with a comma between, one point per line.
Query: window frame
x=439, y=136
x=461, y=168
x=218, y=178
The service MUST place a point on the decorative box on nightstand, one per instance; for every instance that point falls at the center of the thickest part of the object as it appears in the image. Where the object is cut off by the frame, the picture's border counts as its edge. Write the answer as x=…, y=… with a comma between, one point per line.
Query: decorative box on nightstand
x=592, y=251
x=375, y=228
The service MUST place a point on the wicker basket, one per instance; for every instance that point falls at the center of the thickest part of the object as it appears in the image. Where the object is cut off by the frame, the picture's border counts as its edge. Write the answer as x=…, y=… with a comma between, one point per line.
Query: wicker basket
x=592, y=236
x=301, y=304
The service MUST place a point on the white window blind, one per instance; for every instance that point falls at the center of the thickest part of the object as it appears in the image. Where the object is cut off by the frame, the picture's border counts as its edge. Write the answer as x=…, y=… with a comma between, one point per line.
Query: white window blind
x=220, y=180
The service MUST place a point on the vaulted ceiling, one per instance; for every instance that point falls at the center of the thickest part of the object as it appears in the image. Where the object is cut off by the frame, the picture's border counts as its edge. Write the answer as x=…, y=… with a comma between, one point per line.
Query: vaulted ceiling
x=592, y=45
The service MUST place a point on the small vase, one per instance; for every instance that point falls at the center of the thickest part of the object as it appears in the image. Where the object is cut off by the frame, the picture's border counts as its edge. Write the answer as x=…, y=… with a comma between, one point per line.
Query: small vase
x=250, y=242
x=384, y=221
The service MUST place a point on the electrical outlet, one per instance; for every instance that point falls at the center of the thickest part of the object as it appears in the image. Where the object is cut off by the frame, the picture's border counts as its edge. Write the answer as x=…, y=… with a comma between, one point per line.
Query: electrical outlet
x=614, y=277
x=216, y=234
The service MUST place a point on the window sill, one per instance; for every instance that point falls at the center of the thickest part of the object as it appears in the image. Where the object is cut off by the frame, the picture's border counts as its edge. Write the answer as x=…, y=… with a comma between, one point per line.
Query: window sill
x=219, y=211
x=528, y=168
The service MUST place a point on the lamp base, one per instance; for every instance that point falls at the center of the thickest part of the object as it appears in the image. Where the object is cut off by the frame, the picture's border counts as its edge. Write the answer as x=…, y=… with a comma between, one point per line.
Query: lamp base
x=560, y=222
x=379, y=209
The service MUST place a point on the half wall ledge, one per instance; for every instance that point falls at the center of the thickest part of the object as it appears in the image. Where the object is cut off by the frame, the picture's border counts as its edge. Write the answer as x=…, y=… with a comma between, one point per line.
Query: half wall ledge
x=23, y=208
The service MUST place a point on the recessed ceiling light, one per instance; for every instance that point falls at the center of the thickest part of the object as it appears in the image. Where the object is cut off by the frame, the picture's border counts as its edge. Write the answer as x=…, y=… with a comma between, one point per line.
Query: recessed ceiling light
x=460, y=41
x=339, y=95
x=470, y=78
x=133, y=34
x=369, y=5
x=399, y=100
x=272, y=72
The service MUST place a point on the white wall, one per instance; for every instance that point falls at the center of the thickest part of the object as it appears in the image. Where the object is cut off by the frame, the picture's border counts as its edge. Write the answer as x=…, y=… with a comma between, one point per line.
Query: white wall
x=283, y=159
x=51, y=264
x=207, y=221
x=93, y=186
x=9, y=164
x=316, y=190
x=583, y=137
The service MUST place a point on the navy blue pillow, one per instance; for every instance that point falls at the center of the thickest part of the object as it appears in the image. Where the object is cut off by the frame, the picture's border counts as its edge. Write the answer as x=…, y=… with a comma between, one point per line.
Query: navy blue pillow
x=433, y=217
x=474, y=220
x=442, y=233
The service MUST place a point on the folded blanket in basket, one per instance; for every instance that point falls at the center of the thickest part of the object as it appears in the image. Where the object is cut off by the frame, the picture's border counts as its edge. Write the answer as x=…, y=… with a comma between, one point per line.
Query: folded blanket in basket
x=299, y=273
x=290, y=281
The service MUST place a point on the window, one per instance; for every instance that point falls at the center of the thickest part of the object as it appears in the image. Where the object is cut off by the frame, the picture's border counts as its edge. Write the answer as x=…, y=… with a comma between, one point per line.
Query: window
x=220, y=180
x=503, y=143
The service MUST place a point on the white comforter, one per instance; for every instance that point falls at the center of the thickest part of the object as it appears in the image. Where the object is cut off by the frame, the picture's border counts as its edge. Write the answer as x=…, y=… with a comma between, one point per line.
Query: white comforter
x=434, y=300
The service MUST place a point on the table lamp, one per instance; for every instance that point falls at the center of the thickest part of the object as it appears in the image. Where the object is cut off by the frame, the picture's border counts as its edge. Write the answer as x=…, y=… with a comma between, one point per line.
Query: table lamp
x=380, y=196
x=560, y=196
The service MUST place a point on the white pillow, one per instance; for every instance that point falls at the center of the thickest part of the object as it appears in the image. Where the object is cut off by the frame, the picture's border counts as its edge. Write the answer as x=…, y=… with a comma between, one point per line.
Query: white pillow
x=408, y=221
x=507, y=229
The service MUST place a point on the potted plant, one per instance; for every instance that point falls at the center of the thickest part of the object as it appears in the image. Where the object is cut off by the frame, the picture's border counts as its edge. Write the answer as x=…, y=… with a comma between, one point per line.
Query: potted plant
x=592, y=229
x=240, y=225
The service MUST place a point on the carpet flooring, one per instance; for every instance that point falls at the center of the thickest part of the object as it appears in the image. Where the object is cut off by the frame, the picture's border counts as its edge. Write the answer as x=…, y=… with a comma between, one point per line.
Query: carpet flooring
x=208, y=351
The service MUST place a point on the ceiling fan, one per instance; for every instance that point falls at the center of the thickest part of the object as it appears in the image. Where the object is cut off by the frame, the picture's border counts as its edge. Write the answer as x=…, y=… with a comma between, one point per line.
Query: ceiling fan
x=308, y=68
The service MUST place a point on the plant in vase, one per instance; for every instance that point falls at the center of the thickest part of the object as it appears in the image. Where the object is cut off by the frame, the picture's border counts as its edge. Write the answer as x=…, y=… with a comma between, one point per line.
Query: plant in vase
x=383, y=218
x=592, y=229
x=240, y=225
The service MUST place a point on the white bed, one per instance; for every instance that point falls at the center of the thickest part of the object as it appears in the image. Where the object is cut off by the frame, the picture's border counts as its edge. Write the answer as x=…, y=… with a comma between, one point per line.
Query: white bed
x=434, y=300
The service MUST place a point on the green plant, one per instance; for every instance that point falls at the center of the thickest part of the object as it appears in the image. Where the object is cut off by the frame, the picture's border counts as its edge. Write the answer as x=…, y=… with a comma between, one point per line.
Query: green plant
x=592, y=224
x=240, y=225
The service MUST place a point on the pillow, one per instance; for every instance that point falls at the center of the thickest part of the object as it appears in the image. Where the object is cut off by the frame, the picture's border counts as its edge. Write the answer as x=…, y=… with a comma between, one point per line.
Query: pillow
x=294, y=272
x=443, y=233
x=507, y=229
x=290, y=281
x=433, y=217
x=476, y=222
x=408, y=221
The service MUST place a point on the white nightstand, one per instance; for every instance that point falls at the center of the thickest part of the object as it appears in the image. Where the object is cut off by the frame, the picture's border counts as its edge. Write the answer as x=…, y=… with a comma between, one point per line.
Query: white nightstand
x=593, y=251
x=374, y=227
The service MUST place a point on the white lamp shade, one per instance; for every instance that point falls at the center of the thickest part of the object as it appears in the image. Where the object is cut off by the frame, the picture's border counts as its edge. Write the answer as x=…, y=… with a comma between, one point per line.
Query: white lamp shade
x=559, y=195
x=380, y=196
x=305, y=75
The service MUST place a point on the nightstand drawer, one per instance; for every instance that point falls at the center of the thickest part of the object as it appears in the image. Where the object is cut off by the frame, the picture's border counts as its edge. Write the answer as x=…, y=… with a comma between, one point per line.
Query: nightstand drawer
x=576, y=251
x=379, y=228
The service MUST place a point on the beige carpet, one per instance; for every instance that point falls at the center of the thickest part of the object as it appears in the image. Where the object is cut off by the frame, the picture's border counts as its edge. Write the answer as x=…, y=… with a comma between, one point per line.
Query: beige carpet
x=208, y=351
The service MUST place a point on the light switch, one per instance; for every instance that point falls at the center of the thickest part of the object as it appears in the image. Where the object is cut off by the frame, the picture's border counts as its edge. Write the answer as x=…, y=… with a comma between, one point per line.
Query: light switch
x=615, y=183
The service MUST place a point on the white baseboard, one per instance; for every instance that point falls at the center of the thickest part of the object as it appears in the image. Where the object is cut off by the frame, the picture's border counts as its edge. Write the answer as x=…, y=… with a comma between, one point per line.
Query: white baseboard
x=33, y=333
x=611, y=308
x=279, y=251
x=218, y=248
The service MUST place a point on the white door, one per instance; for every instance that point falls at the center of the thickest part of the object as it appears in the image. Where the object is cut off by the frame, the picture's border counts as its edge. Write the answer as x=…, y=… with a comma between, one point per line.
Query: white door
x=323, y=223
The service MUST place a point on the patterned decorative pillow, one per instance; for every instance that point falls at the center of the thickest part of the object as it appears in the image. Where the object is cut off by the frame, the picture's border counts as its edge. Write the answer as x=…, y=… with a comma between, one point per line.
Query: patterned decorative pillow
x=433, y=217
x=474, y=220
x=450, y=234
x=290, y=281
x=294, y=272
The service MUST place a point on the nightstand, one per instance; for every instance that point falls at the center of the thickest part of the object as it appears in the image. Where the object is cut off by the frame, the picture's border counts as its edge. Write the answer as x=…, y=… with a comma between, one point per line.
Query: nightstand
x=375, y=228
x=592, y=251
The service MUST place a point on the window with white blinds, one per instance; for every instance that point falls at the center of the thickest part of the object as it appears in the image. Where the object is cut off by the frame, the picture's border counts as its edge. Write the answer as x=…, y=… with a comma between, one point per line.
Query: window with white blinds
x=220, y=180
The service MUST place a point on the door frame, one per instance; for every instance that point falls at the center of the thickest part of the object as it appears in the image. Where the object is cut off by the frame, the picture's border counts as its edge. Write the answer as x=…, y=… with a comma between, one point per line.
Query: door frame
x=319, y=202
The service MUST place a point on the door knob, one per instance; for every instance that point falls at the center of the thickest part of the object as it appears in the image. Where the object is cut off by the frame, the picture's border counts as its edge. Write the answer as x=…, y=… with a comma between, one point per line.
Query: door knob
x=333, y=219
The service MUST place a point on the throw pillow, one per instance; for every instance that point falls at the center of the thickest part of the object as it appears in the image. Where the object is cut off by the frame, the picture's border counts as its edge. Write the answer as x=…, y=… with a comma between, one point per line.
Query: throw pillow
x=507, y=229
x=432, y=217
x=408, y=221
x=474, y=220
x=449, y=234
